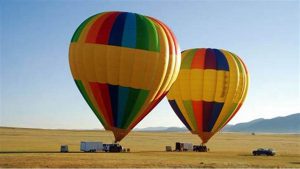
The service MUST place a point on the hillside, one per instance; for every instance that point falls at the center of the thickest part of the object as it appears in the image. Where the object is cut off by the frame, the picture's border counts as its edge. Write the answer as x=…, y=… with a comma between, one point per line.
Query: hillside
x=287, y=124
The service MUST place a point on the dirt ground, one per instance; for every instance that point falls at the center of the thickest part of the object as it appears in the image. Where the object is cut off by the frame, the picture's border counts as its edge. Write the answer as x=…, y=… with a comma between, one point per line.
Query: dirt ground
x=40, y=148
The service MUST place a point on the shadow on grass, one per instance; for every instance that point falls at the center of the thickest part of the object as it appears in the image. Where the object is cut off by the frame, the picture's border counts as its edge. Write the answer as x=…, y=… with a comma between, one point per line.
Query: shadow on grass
x=250, y=155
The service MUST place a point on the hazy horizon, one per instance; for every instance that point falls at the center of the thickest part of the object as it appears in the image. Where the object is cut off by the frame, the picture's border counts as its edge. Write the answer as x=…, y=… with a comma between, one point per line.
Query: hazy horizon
x=137, y=128
x=37, y=89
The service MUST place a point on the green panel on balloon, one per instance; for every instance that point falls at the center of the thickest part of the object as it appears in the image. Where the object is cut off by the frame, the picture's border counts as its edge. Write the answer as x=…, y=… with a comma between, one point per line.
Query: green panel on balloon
x=187, y=60
x=189, y=107
x=137, y=98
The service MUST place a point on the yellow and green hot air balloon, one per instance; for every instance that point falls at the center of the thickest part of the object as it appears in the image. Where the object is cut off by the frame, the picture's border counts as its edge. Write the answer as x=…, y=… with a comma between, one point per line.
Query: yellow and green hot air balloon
x=211, y=87
x=123, y=64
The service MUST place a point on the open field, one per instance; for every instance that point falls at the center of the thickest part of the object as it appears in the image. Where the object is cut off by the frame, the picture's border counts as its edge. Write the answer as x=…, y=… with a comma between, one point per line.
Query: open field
x=39, y=148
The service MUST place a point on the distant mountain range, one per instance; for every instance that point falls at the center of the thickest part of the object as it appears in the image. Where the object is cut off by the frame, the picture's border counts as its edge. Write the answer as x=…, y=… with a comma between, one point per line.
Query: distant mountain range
x=287, y=124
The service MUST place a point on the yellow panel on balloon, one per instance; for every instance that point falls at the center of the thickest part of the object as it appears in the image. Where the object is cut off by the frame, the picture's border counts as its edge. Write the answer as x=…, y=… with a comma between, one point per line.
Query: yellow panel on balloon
x=209, y=86
x=112, y=67
x=197, y=84
x=184, y=84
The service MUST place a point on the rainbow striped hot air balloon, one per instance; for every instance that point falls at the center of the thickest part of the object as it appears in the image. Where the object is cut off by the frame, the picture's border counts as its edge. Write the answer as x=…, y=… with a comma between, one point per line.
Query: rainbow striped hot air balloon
x=211, y=87
x=123, y=64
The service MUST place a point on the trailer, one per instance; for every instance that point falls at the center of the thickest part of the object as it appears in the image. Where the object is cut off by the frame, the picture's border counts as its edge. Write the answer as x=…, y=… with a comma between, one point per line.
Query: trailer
x=89, y=146
x=183, y=146
x=187, y=147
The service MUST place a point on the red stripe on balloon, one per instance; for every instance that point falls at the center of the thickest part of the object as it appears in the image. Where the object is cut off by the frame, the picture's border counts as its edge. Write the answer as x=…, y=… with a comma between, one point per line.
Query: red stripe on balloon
x=97, y=95
x=106, y=99
x=199, y=59
x=105, y=29
x=94, y=29
x=101, y=94
x=198, y=113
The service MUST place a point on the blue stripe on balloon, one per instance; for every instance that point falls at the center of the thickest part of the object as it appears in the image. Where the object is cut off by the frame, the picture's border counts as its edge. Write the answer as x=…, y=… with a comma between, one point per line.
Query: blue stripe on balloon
x=179, y=114
x=129, y=34
x=113, y=92
x=222, y=63
x=217, y=107
x=122, y=100
x=117, y=30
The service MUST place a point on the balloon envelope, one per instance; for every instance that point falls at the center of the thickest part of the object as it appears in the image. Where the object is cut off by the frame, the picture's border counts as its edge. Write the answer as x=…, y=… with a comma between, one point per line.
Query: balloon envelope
x=123, y=64
x=210, y=88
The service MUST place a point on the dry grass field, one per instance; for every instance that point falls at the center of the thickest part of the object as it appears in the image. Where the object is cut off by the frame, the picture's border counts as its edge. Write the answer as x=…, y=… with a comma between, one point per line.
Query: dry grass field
x=40, y=148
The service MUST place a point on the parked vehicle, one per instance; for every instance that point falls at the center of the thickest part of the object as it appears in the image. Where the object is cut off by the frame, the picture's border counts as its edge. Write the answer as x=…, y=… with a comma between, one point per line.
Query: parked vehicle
x=88, y=146
x=200, y=148
x=64, y=149
x=106, y=147
x=168, y=148
x=262, y=151
x=112, y=148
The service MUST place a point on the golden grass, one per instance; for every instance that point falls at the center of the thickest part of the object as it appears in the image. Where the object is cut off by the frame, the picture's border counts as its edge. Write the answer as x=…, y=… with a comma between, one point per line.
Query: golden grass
x=147, y=149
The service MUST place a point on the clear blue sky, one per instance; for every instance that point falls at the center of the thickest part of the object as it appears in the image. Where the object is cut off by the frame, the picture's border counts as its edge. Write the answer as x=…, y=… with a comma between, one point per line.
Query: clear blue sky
x=37, y=89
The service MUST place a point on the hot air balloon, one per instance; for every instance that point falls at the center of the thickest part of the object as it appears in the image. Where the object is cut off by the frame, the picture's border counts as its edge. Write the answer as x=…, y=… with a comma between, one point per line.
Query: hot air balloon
x=123, y=64
x=210, y=89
